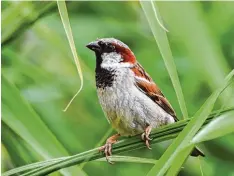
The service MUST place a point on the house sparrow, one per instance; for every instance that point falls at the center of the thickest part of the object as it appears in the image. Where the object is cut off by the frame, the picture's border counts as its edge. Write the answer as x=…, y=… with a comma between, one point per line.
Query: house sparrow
x=131, y=101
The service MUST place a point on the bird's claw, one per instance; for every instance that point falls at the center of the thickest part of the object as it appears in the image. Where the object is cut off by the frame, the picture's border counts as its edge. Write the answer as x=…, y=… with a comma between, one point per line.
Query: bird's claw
x=145, y=137
x=107, y=149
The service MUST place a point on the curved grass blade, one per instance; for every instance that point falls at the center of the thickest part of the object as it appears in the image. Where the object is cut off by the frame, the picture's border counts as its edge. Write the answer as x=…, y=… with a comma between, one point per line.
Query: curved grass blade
x=31, y=166
x=204, y=50
x=163, y=45
x=218, y=127
x=156, y=16
x=102, y=140
x=129, y=159
x=66, y=24
x=115, y=158
x=176, y=166
x=183, y=140
x=14, y=14
x=24, y=121
x=134, y=143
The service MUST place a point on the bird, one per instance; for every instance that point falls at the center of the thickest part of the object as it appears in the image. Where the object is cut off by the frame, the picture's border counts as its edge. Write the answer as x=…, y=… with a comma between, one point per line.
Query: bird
x=131, y=101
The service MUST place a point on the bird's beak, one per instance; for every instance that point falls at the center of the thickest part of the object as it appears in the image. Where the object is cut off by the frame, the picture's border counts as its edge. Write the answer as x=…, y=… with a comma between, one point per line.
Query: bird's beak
x=94, y=46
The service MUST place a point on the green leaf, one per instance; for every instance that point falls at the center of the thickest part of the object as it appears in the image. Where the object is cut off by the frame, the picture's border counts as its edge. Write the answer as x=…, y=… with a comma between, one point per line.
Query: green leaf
x=22, y=14
x=19, y=116
x=129, y=159
x=66, y=24
x=160, y=36
x=115, y=158
x=172, y=154
x=218, y=127
x=176, y=166
x=205, y=51
x=31, y=166
x=158, y=135
x=19, y=155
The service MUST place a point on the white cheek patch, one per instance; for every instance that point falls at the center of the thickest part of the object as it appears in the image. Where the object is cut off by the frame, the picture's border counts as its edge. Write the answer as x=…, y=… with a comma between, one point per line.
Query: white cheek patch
x=116, y=65
x=112, y=57
x=113, y=61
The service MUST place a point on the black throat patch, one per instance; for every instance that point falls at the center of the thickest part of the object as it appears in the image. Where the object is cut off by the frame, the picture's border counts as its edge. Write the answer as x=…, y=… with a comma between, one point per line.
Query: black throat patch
x=104, y=77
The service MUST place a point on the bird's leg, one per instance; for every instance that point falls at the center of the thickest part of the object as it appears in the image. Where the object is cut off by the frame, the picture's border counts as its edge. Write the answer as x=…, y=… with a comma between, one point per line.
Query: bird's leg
x=145, y=136
x=108, y=146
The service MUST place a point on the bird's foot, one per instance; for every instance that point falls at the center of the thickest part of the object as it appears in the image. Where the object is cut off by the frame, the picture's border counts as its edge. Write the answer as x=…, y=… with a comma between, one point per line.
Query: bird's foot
x=145, y=136
x=107, y=148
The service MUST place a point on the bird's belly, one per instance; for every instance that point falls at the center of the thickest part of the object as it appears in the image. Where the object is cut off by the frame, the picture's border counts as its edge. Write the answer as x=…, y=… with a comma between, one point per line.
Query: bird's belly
x=130, y=111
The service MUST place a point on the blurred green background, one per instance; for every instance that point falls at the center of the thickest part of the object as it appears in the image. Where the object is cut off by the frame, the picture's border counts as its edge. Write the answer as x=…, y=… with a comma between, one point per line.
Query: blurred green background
x=39, y=78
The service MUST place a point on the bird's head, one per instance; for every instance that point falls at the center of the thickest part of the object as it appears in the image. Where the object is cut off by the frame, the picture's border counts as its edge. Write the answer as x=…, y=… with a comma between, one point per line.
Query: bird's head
x=111, y=53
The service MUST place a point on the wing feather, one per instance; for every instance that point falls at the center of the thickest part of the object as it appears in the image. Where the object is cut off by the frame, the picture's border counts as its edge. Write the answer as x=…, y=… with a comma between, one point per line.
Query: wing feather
x=145, y=84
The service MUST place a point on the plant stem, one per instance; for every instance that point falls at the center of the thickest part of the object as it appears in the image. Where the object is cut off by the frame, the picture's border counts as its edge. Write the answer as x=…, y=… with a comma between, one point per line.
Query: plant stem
x=161, y=134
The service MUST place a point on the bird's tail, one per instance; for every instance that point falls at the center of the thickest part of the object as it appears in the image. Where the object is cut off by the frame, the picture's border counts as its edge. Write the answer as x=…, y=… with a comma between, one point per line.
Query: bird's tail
x=197, y=152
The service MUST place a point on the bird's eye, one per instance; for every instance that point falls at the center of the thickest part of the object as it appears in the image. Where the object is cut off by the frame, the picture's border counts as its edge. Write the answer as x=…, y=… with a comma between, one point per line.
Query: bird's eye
x=110, y=46
x=101, y=43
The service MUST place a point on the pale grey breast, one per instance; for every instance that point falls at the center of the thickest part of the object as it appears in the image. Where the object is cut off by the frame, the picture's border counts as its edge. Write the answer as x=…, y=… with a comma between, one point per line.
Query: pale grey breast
x=128, y=109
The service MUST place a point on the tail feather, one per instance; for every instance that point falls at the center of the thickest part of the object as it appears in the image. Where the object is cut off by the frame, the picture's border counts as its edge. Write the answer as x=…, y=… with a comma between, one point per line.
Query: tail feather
x=197, y=152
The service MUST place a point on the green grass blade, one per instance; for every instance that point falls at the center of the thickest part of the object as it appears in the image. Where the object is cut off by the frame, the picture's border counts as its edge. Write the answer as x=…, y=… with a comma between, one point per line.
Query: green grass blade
x=218, y=127
x=31, y=166
x=158, y=135
x=19, y=116
x=183, y=140
x=189, y=24
x=15, y=14
x=102, y=140
x=19, y=155
x=163, y=45
x=115, y=158
x=176, y=166
x=66, y=24
x=129, y=159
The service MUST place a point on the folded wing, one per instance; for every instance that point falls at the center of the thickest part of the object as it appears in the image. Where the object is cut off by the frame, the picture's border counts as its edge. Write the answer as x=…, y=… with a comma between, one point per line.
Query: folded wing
x=146, y=85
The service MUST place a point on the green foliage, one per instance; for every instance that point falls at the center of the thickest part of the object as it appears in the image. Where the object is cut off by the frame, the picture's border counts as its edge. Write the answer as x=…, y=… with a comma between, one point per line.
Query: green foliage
x=39, y=78
x=65, y=19
x=19, y=16
x=164, y=47
x=158, y=135
x=217, y=128
x=19, y=116
x=115, y=158
x=182, y=144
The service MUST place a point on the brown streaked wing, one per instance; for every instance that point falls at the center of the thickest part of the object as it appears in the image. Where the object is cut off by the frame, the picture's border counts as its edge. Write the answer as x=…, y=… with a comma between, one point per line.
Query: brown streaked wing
x=145, y=83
